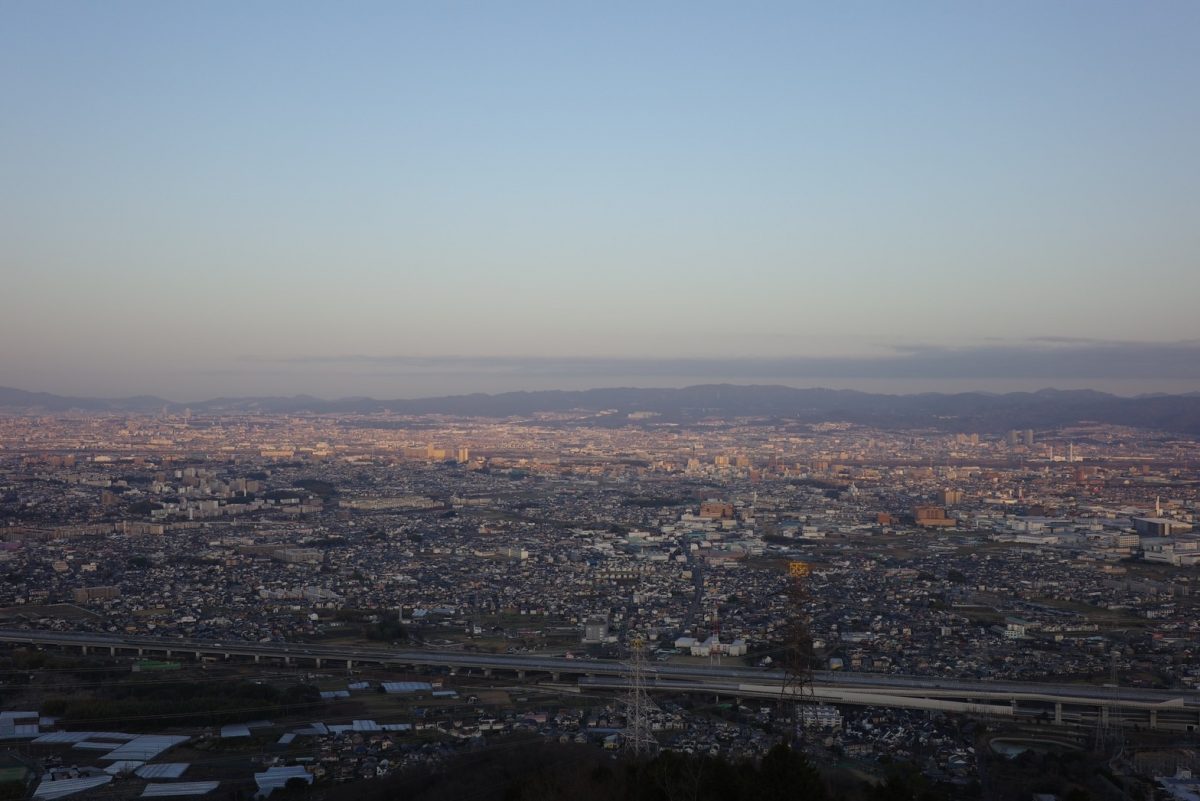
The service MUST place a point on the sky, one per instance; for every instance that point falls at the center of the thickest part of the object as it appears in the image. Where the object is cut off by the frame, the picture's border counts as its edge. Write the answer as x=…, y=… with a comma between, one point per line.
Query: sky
x=405, y=199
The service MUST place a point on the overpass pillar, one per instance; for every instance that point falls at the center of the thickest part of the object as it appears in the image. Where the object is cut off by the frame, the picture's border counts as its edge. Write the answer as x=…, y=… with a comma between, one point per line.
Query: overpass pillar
x=554, y=676
x=520, y=674
x=83, y=650
x=140, y=652
x=1058, y=713
x=256, y=658
x=1154, y=718
x=1104, y=715
x=349, y=664
x=487, y=673
x=318, y=661
x=197, y=656
x=112, y=650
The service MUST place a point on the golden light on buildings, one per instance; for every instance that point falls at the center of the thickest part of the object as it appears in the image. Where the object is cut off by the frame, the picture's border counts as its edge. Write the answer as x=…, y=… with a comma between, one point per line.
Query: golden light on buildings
x=798, y=569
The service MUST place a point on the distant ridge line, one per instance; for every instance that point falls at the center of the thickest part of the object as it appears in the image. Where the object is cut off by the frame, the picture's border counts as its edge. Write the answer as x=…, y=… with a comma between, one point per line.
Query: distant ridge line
x=965, y=411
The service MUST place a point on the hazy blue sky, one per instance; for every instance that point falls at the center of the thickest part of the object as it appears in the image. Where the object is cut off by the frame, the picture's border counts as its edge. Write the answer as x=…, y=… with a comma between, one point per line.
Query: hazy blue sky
x=212, y=198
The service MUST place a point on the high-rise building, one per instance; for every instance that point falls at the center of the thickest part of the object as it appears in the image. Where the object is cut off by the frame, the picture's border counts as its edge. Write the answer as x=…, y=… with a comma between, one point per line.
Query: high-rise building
x=932, y=516
x=716, y=510
x=951, y=497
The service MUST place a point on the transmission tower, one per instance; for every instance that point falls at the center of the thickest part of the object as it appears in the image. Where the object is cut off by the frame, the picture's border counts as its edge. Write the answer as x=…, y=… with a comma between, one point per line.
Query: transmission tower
x=638, y=739
x=714, y=654
x=1118, y=728
x=797, y=659
x=1110, y=733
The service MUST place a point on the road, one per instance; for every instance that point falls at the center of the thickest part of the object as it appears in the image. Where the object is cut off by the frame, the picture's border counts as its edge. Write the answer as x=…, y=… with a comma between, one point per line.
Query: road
x=881, y=687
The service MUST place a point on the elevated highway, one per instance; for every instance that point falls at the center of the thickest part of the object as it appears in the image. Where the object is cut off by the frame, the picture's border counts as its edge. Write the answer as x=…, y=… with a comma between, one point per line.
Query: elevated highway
x=1057, y=702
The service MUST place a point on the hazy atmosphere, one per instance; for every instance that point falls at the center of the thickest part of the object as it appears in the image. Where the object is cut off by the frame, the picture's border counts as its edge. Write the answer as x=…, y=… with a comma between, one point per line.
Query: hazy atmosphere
x=417, y=199
x=523, y=401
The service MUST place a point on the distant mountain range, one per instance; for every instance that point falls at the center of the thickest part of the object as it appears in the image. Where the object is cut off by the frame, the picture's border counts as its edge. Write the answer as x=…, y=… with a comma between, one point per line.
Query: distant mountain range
x=968, y=411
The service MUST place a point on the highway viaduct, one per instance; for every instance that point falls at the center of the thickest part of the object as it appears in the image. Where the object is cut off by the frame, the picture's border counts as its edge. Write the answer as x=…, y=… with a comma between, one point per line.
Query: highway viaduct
x=1064, y=704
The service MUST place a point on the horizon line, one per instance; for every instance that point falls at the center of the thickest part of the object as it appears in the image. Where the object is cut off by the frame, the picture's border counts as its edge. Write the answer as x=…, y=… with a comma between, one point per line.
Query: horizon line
x=599, y=388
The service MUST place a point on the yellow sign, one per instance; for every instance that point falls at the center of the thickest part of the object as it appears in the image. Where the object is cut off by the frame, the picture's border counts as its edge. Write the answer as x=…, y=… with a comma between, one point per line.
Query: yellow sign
x=798, y=569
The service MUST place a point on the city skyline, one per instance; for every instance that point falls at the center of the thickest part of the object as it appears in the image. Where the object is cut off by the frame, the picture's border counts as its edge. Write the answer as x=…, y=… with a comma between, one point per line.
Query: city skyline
x=530, y=400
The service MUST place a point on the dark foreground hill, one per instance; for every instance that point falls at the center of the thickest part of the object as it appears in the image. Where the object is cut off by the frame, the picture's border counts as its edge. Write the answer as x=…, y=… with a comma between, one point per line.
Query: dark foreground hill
x=526, y=770
x=539, y=771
